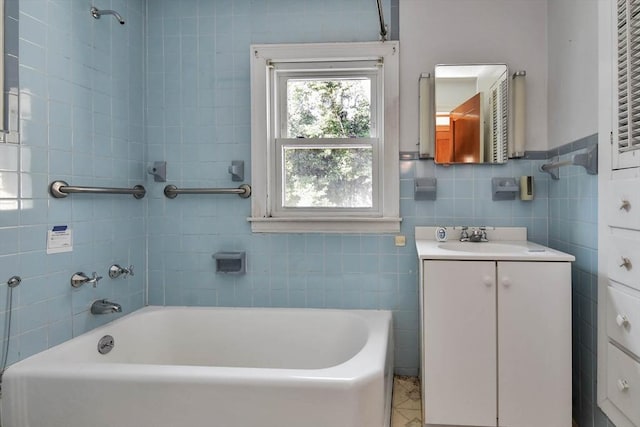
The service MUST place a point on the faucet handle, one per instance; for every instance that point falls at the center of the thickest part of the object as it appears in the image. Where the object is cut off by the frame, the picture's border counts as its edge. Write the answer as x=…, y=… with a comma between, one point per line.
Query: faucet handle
x=94, y=279
x=464, y=236
x=116, y=271
x=79, y=279
x=483, y=233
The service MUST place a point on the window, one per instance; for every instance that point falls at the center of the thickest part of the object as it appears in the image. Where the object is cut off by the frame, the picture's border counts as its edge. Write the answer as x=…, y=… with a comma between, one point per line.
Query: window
x=325, y=137
x=627, y=75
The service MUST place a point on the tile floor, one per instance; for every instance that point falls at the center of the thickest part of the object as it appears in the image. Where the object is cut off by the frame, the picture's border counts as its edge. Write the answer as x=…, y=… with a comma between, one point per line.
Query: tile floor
x=405, y=405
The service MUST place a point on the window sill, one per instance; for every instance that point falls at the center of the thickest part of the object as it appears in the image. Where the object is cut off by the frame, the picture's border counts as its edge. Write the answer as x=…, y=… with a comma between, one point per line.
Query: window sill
x=325, y=225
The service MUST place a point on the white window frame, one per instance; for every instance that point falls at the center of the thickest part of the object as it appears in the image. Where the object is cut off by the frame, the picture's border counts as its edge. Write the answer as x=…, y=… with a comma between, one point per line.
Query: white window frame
x=267, y=213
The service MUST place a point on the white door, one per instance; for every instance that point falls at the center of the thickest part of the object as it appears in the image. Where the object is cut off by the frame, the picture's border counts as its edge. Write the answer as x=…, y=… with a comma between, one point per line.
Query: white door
x=459, y=366
x=534, y=344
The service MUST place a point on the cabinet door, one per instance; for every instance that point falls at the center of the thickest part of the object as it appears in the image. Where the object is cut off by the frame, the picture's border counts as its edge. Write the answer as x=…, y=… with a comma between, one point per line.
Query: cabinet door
x=459, y=366
x=534, y=344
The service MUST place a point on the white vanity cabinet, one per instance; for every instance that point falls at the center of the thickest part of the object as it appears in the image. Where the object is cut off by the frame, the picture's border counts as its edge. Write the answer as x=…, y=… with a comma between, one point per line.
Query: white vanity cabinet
x=497, y=343
x=496, y=334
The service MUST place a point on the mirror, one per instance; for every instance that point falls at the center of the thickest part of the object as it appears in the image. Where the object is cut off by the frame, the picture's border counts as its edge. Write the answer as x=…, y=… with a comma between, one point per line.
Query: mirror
x=471, y=113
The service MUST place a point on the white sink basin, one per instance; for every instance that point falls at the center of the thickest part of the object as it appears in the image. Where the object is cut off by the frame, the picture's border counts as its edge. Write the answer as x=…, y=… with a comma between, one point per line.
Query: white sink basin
x=505, y=244
x=488, y=247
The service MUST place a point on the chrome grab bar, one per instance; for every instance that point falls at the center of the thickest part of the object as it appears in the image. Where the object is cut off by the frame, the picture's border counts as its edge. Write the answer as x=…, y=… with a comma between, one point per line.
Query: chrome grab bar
x=60, y=189
x=588, y=160
x=171, y=191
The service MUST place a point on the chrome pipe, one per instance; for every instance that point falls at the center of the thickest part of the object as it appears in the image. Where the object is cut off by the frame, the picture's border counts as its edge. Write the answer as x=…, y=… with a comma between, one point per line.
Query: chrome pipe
x=548, y=166
x=60, y=189
x=171, y=191
x=97, y=13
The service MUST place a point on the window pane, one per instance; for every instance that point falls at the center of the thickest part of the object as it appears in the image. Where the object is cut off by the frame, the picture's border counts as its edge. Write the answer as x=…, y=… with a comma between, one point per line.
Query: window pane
x=328, y=108
x=328, y=177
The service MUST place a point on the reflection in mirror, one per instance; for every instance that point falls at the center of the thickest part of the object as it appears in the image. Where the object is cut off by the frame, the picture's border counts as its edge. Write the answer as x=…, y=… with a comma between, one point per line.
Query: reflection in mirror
x=471, y=103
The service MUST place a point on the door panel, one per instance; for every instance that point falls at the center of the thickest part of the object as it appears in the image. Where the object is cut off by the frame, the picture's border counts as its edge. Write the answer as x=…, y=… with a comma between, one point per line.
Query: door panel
x=459, y=371
x=534, y=344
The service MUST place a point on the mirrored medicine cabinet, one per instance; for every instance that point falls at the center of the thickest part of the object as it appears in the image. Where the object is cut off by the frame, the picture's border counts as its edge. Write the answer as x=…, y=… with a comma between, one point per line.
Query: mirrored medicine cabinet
x=467, y=114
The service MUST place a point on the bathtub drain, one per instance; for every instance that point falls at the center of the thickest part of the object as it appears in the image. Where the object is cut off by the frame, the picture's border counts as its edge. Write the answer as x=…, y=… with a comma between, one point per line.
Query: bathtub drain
x=105, y=345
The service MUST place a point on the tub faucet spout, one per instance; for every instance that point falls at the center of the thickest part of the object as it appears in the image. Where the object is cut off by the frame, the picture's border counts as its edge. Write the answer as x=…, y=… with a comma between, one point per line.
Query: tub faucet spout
x=102, y=306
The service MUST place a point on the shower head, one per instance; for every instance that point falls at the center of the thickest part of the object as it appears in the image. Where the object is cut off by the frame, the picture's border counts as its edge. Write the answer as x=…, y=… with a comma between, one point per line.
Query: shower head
x=97, y=13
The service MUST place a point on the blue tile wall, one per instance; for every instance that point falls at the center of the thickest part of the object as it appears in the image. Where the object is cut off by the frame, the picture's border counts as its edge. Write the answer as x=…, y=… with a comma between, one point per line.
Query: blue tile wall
x=199, y=121
x=573, y=213
x=82, y=120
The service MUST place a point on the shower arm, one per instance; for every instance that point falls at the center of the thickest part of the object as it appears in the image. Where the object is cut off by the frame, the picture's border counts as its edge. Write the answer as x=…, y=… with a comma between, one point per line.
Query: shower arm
x=97, y=13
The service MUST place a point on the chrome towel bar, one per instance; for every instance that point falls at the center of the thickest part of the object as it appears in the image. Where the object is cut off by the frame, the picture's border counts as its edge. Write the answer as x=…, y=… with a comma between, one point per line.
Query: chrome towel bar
x=60, y=189
x=171, y=191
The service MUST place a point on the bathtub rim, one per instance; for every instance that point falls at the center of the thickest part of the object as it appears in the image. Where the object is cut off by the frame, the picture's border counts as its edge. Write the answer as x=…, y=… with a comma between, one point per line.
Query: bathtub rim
x=367, y=363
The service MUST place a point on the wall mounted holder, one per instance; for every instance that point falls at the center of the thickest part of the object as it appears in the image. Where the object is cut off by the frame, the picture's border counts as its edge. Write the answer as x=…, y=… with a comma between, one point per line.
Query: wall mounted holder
x=159, y=171
x=425, y=189
x=230, y=262
x=588, y=160
x=504, y=188
x=237, y=170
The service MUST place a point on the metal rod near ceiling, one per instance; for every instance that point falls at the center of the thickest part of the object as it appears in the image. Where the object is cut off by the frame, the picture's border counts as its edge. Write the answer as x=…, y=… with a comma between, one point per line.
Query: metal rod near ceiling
x=383, y=27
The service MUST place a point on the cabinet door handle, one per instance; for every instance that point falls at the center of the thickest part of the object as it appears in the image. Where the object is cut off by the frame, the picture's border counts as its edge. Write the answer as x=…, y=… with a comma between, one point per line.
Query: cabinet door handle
x=506, y=282
x=487, y=280
x=626, y=263
x=622, y=320
x=623, y=385
x=625, y=205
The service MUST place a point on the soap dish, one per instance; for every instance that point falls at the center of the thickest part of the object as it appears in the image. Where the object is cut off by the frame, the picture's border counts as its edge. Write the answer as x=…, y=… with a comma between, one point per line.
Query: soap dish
x=504, y=188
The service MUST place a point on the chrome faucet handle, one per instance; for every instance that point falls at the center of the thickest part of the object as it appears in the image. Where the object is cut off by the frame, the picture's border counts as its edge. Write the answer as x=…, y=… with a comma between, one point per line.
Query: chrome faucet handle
x=483, y=232
x=464, y=236
x=79, y=279
x=94, y=279
x=116, y=271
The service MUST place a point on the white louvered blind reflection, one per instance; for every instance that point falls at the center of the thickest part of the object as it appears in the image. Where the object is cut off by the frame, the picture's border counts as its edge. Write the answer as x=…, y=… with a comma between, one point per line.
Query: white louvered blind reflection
x=628, y=75
x=498, y=103
x=494, y=125
x=504, y=108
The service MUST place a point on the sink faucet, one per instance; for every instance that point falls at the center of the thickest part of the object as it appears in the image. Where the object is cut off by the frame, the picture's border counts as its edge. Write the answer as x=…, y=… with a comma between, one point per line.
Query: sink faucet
x=102, y=306
x=478, y=235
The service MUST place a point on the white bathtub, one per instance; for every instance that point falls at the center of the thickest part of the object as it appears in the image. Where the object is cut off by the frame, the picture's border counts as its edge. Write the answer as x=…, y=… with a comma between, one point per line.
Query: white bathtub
x=213, y=367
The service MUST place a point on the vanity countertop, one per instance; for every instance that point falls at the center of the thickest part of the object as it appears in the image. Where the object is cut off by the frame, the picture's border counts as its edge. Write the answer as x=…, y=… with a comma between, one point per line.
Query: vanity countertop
x=505, y=244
